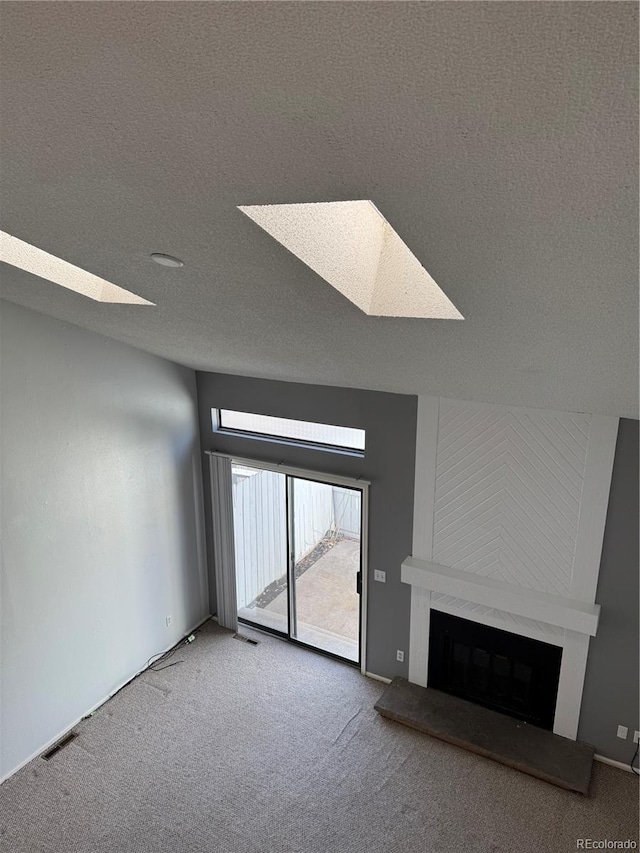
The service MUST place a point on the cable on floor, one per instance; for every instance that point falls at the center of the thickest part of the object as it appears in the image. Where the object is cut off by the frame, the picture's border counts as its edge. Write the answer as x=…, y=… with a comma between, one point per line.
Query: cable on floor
x=163, y=657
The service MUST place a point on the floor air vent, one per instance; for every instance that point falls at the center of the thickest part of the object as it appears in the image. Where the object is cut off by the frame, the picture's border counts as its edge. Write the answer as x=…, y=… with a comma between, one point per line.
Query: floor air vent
x=246, y=639
x=60, y=745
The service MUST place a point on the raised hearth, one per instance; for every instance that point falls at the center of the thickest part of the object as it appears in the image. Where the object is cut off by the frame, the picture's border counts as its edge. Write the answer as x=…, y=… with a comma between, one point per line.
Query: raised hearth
x=532, y=750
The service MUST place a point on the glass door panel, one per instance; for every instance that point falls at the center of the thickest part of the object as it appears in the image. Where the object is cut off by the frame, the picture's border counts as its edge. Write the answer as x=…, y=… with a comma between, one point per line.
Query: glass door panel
x=260, y=531
x=325, y=562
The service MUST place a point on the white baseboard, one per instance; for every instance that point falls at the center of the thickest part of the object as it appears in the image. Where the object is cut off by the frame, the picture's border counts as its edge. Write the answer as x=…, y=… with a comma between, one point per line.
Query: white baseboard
x=65, y=731
x=378, y=677
x=619, y=764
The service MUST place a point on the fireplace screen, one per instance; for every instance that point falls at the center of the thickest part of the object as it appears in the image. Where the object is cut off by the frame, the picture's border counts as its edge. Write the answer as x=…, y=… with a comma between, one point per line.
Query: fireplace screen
x=497, y=669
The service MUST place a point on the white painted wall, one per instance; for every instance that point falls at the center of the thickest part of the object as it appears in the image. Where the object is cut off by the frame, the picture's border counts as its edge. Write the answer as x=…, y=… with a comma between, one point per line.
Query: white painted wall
x=101, y=521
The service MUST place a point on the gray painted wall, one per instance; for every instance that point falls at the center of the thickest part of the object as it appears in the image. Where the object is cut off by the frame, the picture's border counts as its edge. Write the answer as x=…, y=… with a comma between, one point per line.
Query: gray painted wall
x=611, y=686
x=389, y=463
x=101, y=521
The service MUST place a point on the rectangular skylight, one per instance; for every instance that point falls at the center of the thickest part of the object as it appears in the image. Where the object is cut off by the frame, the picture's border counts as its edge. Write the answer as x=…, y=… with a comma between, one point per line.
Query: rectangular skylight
x=307, y=432
x=353, y=247
x=38, y=262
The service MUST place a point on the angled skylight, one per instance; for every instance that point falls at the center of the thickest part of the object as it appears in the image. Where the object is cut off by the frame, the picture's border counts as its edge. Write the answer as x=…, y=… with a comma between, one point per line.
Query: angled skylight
x=38, y=262
x=353, y=247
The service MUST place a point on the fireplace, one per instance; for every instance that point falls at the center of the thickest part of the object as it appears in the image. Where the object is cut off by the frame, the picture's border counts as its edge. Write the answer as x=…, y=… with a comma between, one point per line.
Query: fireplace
x=510, y=673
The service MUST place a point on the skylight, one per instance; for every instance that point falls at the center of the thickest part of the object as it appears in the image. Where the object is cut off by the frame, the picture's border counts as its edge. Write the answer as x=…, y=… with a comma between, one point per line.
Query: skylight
x=353, y=247
x=38, y=262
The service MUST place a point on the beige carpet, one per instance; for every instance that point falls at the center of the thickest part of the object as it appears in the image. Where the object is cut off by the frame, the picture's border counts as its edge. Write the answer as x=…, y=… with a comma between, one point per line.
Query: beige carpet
x=272, y=749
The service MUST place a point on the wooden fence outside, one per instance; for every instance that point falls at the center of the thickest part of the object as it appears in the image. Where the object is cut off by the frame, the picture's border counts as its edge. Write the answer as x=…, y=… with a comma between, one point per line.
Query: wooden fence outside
x=260, y=524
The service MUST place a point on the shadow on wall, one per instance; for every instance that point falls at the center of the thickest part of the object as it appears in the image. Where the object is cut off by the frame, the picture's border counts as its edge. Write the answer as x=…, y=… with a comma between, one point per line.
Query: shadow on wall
x=172, y=519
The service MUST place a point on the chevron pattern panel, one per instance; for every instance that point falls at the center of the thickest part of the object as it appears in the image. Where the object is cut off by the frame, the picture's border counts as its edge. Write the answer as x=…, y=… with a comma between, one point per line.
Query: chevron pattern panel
x=508, y=492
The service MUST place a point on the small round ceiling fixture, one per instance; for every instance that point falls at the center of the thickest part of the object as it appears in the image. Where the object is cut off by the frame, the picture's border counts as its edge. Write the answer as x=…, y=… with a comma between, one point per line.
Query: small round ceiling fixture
x=166, y=260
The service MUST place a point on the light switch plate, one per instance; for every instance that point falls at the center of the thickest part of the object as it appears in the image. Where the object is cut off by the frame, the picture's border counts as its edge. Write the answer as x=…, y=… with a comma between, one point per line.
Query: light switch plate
x=380, y=576
x=623, y=731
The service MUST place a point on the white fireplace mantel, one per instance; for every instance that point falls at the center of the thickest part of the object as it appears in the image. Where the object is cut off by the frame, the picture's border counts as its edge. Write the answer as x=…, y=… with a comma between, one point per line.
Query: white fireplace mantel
x=529, y=603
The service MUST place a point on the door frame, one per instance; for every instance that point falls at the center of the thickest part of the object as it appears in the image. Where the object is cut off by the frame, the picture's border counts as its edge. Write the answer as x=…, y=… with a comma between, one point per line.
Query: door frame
x=356, y=483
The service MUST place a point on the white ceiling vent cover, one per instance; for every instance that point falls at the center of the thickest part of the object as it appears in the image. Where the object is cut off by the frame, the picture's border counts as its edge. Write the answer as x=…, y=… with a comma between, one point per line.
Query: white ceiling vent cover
x=352, y=246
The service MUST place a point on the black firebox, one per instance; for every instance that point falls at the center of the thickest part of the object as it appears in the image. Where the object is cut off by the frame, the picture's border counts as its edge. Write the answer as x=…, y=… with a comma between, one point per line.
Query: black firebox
x=497, y=669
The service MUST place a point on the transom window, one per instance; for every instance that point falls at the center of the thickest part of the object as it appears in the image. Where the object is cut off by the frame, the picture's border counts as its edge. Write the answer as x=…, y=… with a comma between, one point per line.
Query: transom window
x=288, y=429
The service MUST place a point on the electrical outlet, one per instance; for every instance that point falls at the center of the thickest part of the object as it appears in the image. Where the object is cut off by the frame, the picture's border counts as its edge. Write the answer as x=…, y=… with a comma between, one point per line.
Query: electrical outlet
x=168, y=621
x=623, y=731
x=380, y=576
x=636, y=737
x=400, y=655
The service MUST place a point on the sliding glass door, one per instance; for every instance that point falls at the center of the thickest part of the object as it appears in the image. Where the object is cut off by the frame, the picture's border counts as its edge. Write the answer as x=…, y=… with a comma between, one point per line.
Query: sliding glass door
x=298, y=558
x=325, y=603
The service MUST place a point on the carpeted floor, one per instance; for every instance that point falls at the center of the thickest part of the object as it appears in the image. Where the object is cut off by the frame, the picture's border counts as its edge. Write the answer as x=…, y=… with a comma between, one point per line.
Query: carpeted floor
x=273, y=749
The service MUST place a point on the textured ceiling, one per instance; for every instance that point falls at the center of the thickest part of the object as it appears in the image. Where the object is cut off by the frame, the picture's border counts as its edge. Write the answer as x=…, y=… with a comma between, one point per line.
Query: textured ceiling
x=499, y=139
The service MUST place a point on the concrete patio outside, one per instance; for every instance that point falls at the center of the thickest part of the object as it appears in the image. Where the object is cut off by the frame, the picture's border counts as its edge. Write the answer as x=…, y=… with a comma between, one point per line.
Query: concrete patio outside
x=327, y=604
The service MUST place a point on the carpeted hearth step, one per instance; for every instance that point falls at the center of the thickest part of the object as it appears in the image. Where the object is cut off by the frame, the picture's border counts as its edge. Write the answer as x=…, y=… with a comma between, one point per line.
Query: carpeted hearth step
x=540, y=753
